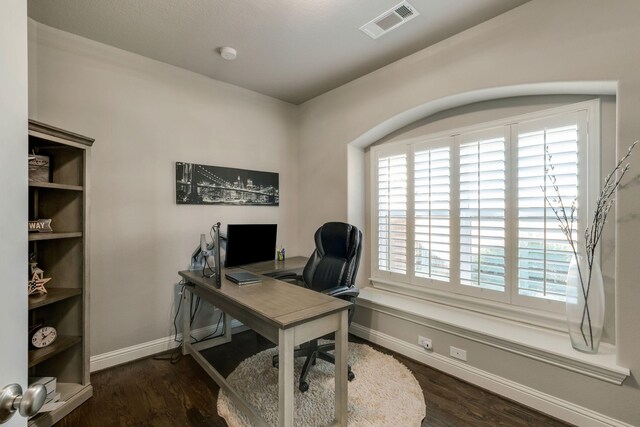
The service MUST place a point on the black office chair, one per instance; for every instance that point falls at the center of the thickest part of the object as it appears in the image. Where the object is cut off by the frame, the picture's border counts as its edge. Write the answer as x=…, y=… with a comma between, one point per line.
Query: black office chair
x=331, y=270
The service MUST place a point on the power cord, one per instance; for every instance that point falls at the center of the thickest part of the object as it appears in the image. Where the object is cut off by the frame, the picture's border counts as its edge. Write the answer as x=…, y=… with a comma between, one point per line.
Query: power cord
x=192, y=310
x=212, y=335
x=175, y=355
x=204, y=268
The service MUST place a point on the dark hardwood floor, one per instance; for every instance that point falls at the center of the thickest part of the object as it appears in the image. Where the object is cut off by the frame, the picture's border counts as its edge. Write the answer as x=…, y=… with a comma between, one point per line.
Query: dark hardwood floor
x=152, y=392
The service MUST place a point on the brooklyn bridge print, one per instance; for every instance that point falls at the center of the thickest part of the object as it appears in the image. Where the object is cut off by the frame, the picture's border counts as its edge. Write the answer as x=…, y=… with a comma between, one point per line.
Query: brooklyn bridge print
x=215, y=185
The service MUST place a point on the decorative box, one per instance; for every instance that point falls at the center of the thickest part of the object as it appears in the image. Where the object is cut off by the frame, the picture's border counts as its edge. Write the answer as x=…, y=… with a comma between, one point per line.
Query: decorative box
x=38, y=168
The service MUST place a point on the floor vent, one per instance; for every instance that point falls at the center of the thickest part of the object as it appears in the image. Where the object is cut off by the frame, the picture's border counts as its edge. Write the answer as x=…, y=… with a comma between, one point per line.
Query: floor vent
x=389, y=20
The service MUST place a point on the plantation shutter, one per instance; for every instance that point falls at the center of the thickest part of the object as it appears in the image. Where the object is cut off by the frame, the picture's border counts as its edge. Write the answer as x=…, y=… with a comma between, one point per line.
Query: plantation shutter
x=392, y=212
x=543, y=251
x=432, y=197
x=482, y=209
x=468, y=214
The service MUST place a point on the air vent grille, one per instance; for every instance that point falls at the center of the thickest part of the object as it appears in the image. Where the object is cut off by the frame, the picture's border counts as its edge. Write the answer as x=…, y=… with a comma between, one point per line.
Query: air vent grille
x=404, y=11
x=389, y=20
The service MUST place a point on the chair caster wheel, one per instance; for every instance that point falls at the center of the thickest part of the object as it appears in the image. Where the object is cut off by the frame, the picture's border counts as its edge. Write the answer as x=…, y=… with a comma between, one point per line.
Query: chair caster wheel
x=350, y=376
x=304, y=386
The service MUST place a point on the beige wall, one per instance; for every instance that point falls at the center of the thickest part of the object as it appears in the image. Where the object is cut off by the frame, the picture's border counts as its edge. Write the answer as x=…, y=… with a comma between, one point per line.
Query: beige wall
x=13, y=208
x=145, y=116
x=542, y=47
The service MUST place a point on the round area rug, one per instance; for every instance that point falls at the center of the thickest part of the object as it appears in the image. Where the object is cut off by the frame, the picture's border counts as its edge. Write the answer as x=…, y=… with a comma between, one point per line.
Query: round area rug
x=383, y=393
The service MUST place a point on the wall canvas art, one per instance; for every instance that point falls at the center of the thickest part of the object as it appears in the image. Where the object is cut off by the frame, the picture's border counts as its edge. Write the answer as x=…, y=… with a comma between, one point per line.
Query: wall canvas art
x=215, y=185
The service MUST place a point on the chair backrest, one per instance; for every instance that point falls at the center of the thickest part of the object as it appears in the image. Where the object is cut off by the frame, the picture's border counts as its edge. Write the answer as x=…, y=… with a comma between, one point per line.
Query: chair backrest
x=336, y=258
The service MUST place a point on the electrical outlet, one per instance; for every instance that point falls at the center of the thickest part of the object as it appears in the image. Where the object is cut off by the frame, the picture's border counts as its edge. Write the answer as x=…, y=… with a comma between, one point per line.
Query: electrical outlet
x=458, y=353
x=425, y=342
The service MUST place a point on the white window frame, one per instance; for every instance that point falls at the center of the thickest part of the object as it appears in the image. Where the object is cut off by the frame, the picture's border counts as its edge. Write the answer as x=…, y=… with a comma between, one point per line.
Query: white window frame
x=508, y=305
x=484, y=132
x=384, y=151
x=420, y=145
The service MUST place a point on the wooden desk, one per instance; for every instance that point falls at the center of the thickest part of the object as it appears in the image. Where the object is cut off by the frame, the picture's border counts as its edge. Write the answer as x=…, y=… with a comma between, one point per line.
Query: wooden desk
x=285, y=314
x=293, y=264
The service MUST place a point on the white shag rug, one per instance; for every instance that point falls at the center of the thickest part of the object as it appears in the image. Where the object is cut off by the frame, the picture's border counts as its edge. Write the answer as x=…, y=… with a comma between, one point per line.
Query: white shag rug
x=383, y=393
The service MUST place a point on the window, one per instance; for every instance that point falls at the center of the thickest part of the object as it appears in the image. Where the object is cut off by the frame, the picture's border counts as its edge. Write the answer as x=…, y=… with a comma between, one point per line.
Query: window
x=543, y=251
x=468, y=213
x=432, y=197
x=392, y=213
x=482, y=209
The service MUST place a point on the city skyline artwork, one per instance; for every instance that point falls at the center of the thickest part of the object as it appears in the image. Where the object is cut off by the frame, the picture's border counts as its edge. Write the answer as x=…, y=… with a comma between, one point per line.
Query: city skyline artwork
x=216, y=185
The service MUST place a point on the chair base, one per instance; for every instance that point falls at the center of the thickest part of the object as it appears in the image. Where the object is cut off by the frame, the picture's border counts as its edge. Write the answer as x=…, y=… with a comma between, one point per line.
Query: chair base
x=312, y=351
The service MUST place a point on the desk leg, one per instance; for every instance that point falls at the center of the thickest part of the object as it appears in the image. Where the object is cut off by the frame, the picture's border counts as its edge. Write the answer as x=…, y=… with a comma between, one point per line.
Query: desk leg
x=285, y=378
x=227, y=327
x=341, y=371
x=186, y=321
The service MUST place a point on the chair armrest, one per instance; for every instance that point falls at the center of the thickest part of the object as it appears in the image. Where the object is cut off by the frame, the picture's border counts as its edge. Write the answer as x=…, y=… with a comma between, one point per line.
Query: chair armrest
x=342, y=291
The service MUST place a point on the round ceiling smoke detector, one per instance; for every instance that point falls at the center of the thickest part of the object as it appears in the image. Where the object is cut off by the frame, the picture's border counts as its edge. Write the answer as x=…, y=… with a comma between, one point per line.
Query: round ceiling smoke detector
x=228, y=53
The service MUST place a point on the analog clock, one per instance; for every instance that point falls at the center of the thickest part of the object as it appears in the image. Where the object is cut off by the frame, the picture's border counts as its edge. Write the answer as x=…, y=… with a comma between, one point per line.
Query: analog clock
x=43, y=336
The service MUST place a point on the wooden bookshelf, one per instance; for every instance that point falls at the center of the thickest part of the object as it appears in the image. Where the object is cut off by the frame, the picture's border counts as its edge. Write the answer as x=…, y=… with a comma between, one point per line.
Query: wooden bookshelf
x=62, y=254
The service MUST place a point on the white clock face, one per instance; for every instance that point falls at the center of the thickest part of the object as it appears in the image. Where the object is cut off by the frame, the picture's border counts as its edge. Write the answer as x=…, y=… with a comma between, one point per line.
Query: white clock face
x=44, y=336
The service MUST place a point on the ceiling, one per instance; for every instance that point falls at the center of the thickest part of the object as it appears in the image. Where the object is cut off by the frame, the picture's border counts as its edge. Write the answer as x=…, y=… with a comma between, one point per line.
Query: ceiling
x=293, y=50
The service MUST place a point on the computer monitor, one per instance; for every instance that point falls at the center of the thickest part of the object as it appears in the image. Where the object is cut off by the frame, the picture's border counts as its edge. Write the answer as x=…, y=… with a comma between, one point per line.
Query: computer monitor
x=206, y=257
x=249, y=243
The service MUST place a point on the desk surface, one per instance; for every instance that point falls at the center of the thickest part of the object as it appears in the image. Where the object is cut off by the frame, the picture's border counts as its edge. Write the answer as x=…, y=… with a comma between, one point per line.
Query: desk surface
x=293, y=264
x=277, y=303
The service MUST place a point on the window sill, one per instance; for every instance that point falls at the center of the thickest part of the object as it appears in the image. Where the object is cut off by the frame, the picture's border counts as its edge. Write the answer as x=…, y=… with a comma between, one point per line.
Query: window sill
x=540, y=316
x=537, y=343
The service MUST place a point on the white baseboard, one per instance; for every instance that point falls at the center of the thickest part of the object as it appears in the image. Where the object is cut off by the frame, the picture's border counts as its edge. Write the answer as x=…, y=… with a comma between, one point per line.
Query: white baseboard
x=527, y=396
x=129, y=354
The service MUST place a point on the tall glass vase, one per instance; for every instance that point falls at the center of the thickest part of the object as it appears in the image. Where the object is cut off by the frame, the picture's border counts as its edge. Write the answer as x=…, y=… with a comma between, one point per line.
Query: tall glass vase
x=585, y=304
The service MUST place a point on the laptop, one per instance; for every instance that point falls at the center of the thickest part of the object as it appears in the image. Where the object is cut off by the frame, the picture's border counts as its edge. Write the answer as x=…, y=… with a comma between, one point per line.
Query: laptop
x=243, y=277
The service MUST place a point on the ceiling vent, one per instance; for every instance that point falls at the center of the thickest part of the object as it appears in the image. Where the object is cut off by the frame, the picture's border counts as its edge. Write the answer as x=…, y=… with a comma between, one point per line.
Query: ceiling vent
x=389, y=20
